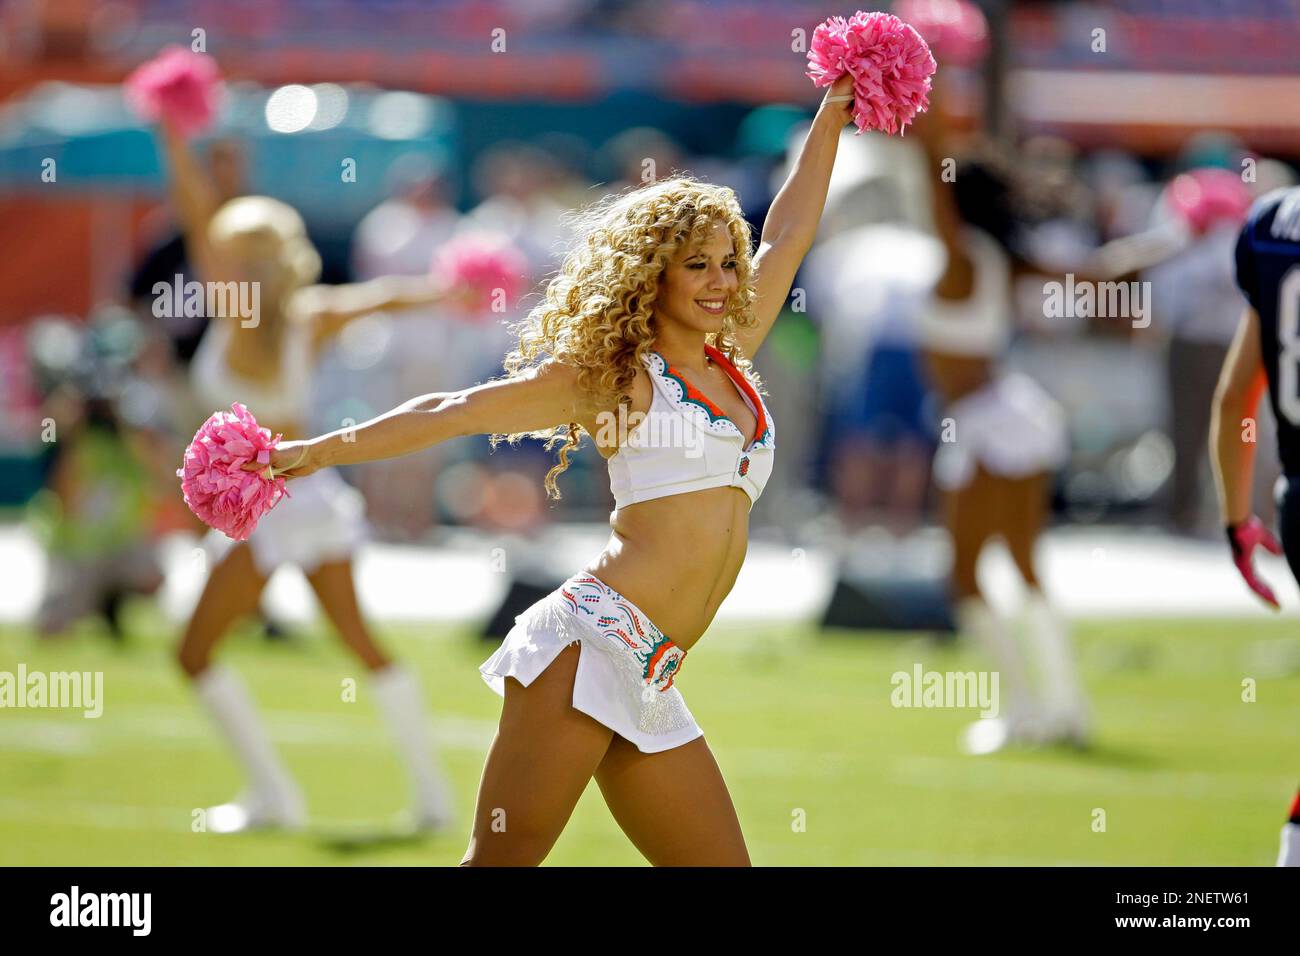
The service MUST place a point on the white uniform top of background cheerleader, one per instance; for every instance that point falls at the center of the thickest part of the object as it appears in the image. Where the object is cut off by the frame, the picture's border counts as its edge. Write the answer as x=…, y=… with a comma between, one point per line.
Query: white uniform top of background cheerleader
x=979, y=325
x=686, y=443
x=282, y=400
x=322, y=517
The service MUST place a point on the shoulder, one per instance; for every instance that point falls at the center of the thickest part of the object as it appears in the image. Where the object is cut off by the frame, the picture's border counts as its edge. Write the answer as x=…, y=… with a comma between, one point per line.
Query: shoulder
x=566, y=377
x=595, y=410
x=1265, y=209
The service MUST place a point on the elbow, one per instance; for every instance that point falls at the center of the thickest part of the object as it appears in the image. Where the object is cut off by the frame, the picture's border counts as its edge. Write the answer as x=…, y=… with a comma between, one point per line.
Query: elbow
x=1228, y=409
x=455, y=415
x=793, y=240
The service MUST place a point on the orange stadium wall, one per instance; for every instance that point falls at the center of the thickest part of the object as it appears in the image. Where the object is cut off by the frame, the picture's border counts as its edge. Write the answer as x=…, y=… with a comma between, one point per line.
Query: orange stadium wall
x=65, y=255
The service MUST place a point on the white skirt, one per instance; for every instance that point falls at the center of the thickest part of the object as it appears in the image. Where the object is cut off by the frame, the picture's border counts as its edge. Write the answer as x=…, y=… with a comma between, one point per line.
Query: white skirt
x=322, y=518
x=625, y=670
x=1011, y=426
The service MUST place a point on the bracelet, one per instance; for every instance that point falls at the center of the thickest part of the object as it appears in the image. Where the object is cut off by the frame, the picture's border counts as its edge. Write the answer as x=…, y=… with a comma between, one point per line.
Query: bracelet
x=840, y=99
x=301, y=459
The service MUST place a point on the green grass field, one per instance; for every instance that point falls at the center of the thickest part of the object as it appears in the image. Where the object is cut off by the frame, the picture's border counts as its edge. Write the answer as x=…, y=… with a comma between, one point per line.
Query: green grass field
x=1186, y=772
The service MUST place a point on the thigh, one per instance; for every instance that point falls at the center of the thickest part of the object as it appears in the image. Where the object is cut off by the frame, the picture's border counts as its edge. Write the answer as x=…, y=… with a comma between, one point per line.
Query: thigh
x=336, y=591
x=1022, y=510
x=232, y=590
x=540, y=762
x=673, y=805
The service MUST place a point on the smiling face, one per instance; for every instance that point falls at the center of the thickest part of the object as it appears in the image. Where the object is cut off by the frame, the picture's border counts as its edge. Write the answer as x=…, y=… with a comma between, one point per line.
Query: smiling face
x=698, y=283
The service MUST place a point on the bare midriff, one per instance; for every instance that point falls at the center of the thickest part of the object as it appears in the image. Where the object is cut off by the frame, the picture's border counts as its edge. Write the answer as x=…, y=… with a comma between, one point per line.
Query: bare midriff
x=956, y=376
x=677, y=557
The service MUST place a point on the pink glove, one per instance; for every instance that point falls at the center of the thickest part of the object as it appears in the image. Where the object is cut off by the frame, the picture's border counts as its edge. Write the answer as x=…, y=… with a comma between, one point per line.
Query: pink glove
x=1243, y=538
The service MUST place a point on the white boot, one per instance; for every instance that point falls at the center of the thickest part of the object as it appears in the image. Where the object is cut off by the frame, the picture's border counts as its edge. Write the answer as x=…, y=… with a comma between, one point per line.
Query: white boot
x=398, y=694
x=1066, y=701
x=1018, y=720
x=1289, y=854
x=272, y=798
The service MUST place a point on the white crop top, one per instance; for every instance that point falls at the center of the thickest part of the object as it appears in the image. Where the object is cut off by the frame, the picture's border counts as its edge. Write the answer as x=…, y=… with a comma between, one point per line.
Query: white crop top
x=283, y=400
x=686, y=443
x=979, y=325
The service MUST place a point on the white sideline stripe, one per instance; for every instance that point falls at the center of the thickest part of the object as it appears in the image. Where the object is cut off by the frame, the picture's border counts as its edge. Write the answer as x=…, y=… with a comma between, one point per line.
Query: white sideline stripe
x=149, y=726
x=116, y=816
x=1090, y=572
x=976, y=773
x=99, y=816
x=896, y=856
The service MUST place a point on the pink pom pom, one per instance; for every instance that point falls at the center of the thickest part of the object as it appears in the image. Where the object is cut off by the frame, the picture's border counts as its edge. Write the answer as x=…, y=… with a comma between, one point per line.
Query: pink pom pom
x=483, y=267
x=955, y=29
x=890, y=64
x=216, y=488
x=179, y=87
x=1203, y=198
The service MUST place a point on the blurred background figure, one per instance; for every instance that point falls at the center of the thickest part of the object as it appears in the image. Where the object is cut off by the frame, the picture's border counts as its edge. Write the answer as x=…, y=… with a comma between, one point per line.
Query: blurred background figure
x=400, y=237
x=1196, y=301
x=94, y=514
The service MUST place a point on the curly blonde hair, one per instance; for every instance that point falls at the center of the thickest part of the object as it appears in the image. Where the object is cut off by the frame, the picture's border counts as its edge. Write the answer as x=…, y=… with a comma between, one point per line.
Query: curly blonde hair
x=597, y=312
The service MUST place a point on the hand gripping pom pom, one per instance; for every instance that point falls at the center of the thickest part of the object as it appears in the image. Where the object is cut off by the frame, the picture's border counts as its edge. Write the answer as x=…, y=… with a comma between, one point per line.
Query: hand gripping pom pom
x=479, y=265
x=956, y=30
x=215, y=486
x=180, y=88
x=890, y=64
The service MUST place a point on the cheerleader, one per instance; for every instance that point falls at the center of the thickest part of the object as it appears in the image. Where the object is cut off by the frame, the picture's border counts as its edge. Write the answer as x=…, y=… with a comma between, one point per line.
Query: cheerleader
x=651, y=320
x=265, y=361
x=1002, y=438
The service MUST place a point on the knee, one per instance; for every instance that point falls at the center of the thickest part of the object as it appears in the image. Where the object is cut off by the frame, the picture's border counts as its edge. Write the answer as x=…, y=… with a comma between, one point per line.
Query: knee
x=965, y=583
x=507, y=849
x=191, y=658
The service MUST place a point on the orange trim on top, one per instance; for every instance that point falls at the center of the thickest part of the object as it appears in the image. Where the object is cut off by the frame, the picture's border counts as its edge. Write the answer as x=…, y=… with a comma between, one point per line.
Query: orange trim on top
x=760, y=425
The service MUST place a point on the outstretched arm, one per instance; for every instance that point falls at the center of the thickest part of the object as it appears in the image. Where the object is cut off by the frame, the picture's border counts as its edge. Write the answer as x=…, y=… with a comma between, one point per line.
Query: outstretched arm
x=330, y=308
x=791, y=222
x=193, y=196
x=531, y=401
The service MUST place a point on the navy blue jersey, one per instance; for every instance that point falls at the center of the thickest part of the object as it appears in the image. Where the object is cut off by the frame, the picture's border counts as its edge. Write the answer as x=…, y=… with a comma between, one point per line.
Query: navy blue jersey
x=1268, y=271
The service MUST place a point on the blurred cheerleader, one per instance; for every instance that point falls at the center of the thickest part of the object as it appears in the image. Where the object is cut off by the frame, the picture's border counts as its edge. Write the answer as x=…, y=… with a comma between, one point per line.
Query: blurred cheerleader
x=266, y=363
x=1002, y=440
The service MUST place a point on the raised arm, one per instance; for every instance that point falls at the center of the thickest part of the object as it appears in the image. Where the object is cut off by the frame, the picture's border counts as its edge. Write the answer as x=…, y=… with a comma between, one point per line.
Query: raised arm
x=958, y=278
x=531, y=401
x=193, y=196
x=791, y=222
